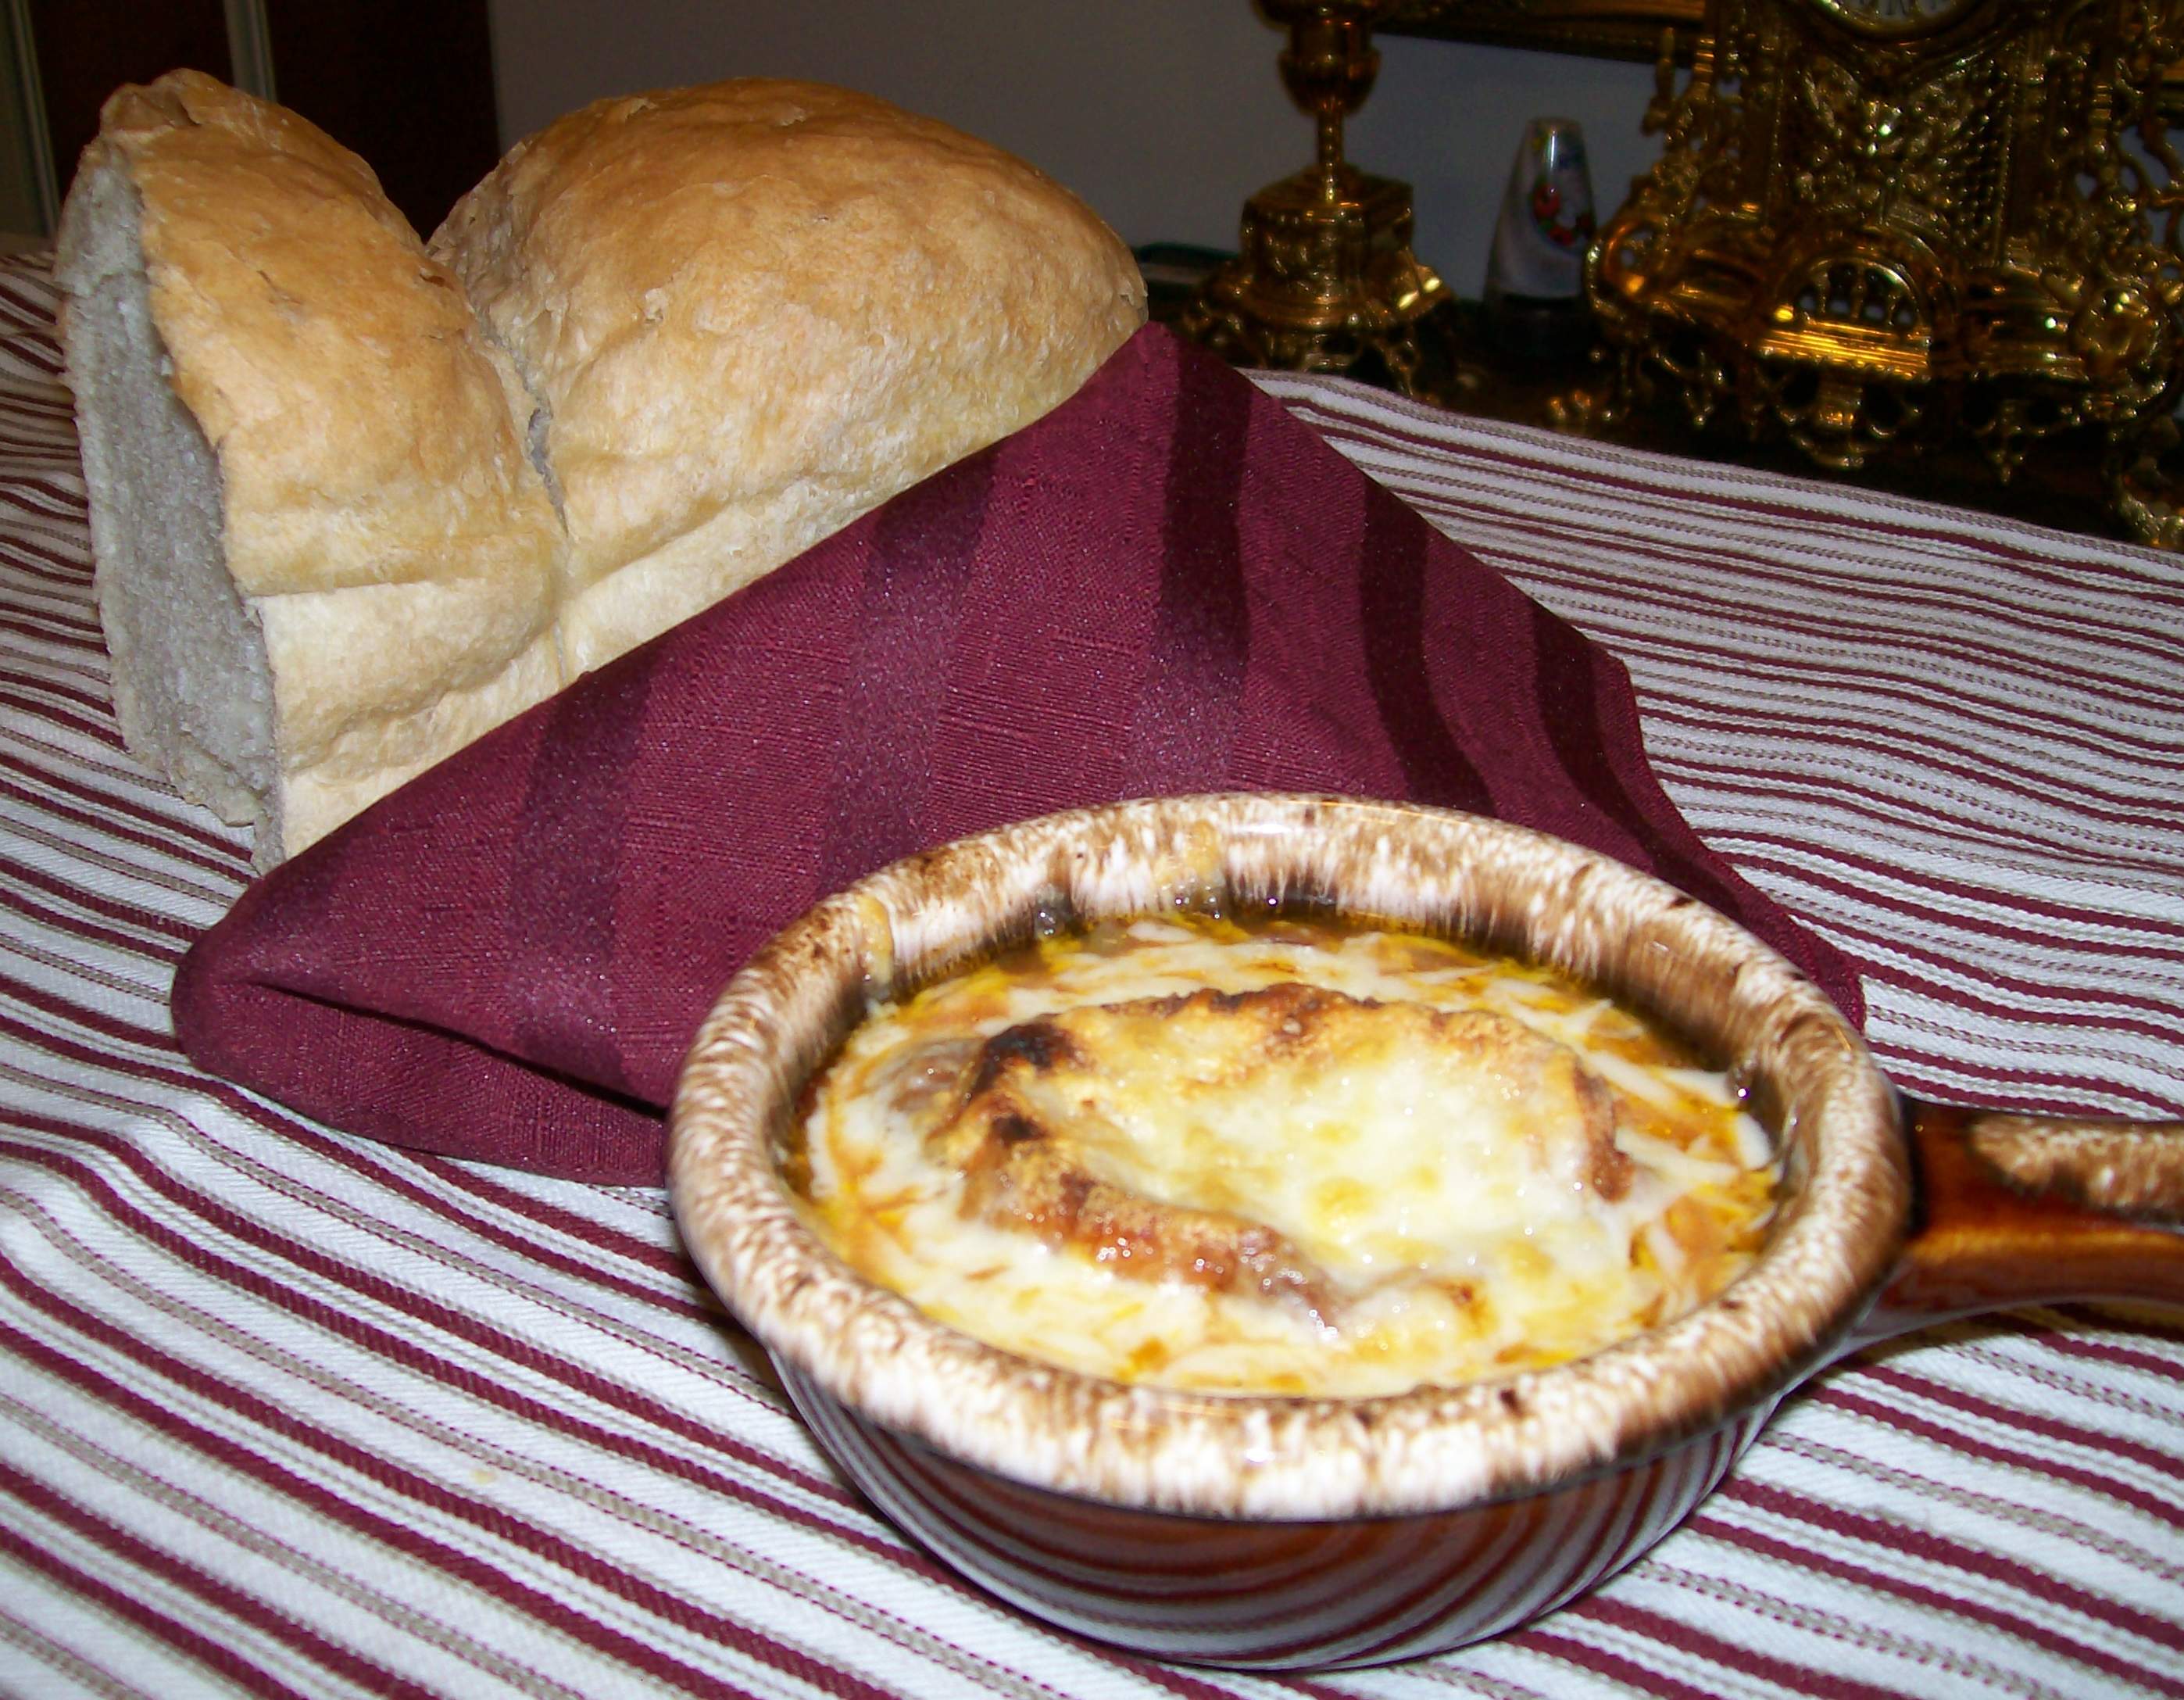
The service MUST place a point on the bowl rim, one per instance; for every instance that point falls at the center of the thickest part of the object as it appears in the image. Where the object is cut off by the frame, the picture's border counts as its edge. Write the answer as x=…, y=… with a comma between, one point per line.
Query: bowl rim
x=1267, y=1456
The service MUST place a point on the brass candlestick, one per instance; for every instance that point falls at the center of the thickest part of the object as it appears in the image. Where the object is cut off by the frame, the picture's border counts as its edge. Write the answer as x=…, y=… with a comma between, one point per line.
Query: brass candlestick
x=1325, y=278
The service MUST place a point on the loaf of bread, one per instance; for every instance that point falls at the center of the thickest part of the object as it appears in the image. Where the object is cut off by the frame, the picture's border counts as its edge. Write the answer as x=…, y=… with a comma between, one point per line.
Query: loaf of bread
x=324, y=559
x=356, y=500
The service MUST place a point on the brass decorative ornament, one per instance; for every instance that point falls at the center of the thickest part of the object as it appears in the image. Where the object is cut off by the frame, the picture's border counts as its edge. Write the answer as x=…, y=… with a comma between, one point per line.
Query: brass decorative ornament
x=1876, y=223
x=1324, y=278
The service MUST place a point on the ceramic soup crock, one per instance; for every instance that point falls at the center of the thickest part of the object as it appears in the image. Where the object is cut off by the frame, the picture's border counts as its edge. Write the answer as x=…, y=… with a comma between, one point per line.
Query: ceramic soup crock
x=1280, y=1532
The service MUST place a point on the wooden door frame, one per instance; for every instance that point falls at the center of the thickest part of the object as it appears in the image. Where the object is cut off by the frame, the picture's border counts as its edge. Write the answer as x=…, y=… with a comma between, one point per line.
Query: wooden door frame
x=251, y=69
x=26, y=100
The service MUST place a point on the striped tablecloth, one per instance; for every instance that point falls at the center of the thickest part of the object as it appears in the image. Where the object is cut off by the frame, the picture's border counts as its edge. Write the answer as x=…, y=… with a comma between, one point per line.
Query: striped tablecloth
x=283, y=1412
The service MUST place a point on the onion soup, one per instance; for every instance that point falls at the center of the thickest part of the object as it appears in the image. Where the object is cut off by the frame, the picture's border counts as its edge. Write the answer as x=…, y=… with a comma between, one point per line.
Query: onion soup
x=1292, y=1158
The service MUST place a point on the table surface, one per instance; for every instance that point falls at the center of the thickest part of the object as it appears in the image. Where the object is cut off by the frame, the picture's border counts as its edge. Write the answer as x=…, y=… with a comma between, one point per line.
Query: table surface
x=285, y=1412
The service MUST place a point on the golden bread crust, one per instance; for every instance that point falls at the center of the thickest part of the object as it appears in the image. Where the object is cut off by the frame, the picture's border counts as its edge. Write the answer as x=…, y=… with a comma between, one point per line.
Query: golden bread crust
x=757, y=308
x=360, y=411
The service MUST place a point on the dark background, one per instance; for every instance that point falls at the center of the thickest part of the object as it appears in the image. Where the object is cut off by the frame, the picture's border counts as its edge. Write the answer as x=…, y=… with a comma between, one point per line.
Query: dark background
x=407, y=84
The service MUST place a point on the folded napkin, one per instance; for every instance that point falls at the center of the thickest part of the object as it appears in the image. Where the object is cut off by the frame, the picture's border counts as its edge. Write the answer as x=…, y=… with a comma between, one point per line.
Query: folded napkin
x=1166, y=585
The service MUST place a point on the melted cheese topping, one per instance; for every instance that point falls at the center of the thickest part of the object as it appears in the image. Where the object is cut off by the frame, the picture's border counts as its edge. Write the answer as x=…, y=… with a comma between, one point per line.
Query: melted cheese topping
x=1151, y=1154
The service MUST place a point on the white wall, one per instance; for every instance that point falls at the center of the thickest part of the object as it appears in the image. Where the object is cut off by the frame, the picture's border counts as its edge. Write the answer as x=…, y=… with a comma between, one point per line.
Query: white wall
x=1162, y=114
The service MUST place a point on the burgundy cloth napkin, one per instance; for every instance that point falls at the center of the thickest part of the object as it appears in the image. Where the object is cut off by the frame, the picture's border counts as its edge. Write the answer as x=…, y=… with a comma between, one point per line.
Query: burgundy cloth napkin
x=1166, y=585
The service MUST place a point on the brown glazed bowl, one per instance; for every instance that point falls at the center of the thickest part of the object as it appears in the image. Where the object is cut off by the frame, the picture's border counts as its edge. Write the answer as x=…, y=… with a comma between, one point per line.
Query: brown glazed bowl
x=1278, y=1532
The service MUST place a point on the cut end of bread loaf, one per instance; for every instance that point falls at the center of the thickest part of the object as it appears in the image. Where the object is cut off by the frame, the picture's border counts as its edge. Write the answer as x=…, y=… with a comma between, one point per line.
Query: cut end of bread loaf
x=325, y=561
x=192, y=686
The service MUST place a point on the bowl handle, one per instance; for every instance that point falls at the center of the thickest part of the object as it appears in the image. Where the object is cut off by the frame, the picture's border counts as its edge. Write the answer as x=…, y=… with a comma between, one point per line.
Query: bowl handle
x=2016, y=1210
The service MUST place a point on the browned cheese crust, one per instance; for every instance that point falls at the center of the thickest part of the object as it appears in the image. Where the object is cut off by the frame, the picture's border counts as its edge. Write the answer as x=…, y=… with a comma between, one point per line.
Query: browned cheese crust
x=1026, y=1123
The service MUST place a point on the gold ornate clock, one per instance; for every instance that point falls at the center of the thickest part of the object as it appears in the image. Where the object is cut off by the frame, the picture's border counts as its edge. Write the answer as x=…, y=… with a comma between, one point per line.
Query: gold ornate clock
x=1896, y=17
x=1876, y=222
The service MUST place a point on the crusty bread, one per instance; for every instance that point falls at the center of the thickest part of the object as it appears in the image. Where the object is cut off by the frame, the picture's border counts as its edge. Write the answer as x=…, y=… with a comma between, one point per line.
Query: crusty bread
x=340, y=532
x=752, y=310
x=324, y=557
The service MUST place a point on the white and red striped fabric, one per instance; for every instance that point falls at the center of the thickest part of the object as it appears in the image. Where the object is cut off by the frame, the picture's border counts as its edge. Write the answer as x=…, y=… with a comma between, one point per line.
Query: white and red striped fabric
x=283, y=1412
